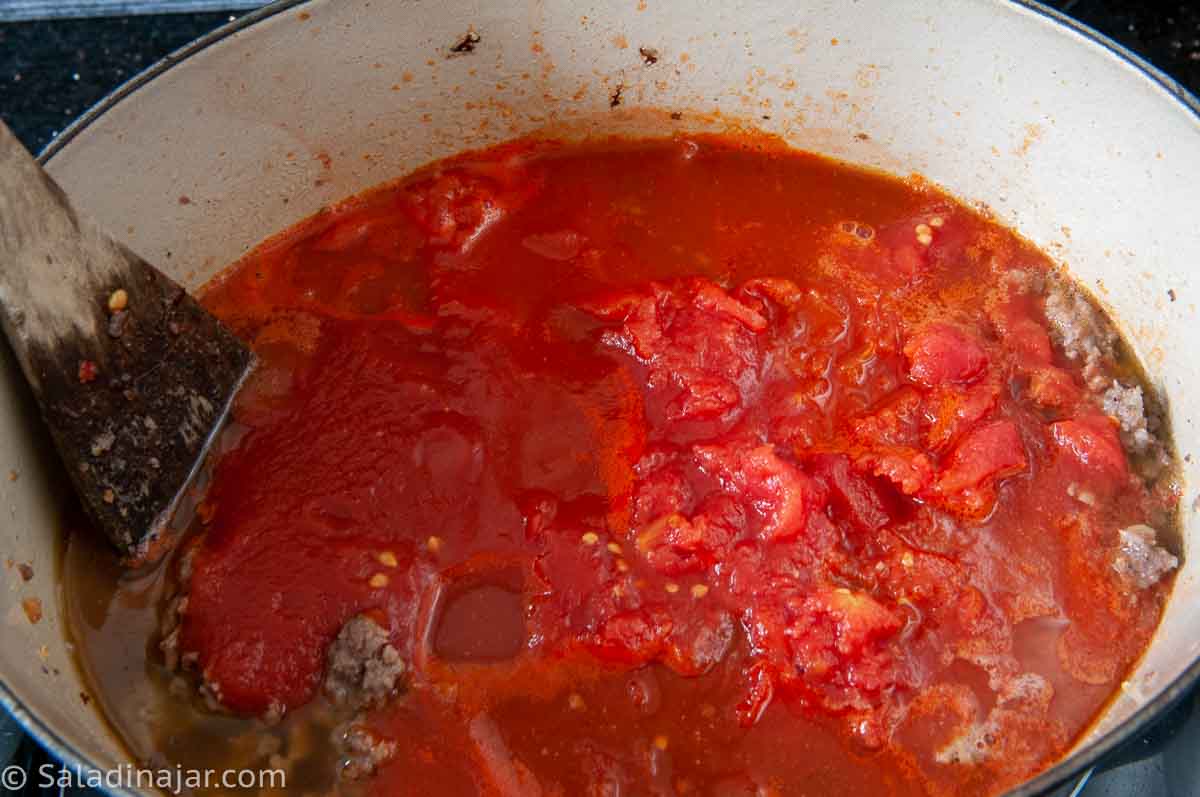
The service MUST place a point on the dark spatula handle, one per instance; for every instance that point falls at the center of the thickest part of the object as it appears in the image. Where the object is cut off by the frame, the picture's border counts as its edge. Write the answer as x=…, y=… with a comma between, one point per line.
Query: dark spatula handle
x=133, y=377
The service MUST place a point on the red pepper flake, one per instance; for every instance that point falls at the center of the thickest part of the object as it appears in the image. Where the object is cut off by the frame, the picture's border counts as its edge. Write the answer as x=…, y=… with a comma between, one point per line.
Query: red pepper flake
x=185, y=200
x=33, y=610
x=26, y=571
x=87, y=371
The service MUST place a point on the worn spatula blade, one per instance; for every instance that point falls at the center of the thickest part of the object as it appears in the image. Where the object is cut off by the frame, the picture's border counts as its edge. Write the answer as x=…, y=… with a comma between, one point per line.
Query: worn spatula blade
x=133, y=377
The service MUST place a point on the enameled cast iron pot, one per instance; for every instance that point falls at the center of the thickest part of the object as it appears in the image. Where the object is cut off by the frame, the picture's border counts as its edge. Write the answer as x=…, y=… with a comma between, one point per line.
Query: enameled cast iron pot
x=1084, y=148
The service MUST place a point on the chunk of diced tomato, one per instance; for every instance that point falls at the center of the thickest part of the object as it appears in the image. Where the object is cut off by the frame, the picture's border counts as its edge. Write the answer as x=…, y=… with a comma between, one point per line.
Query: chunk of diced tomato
x=713, y=299
x=451, y=209
x=851, y=495
x=909, y=469
x=1028, y=340
x=859, y=618
x=779, y=491
x=895, y=248
x=1050, y=386
x=914, y=246
x=1093, y=442
x=702, y=395
x=454, y=207
x=699, y=641
x=632, y=637
x=660, y=490
x=672, y=545
x=944, y=353
x=699, y=343
x=768, y=295
x=955, y=410
x=719, y=521
x=836, y=632
x=989, y=453
x=896, y=423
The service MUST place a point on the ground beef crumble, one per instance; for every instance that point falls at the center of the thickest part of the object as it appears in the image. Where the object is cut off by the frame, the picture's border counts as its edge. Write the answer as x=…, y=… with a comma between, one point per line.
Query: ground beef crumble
x=362, y=670
x=1086, y=336
x=362, y=751
x=1139, y=427
x=1139, y=560
x=1081, y=331
x=361, y=667
x=173, y=612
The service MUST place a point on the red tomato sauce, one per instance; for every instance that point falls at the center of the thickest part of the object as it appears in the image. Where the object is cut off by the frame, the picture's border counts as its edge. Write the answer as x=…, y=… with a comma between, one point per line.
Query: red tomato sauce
x=670, y=467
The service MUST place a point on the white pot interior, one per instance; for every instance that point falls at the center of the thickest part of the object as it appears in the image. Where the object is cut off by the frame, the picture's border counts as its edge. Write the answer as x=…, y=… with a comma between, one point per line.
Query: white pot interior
x=1074, y=147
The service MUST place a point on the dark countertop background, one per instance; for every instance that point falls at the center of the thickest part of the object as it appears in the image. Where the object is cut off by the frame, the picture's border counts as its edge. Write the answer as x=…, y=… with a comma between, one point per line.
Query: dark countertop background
x=52, y=71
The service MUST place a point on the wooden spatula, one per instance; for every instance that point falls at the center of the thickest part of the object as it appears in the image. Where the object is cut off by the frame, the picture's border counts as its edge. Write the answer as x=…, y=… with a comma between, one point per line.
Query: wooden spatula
x=133, y=377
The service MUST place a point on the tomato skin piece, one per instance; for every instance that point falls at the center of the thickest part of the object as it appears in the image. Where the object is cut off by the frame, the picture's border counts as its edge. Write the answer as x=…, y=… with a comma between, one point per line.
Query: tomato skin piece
x=760, y=693
x=943, y=353
x=561, y=245
x=1092, y=441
